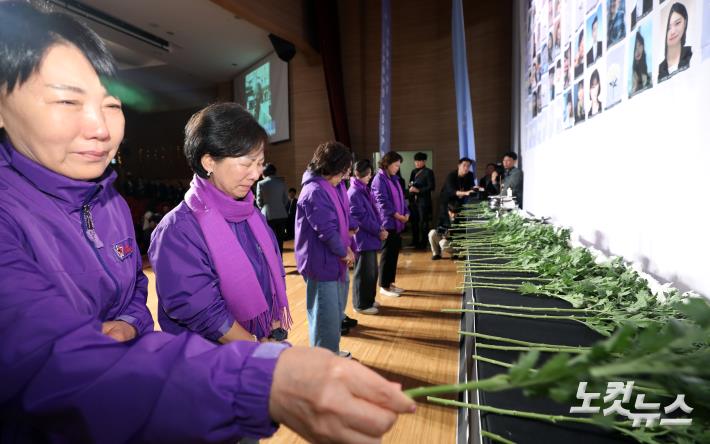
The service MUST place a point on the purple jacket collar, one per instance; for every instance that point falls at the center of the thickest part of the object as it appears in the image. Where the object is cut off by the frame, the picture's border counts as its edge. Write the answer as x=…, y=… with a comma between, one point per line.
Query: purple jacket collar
x=74, y=193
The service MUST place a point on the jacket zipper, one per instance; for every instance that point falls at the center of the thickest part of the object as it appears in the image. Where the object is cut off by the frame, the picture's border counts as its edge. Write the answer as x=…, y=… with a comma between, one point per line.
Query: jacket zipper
x=87, y=225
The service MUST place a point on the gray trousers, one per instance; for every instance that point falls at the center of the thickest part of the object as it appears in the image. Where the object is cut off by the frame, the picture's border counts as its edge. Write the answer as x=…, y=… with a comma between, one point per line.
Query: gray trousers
x=439, y=243
x=365, y=280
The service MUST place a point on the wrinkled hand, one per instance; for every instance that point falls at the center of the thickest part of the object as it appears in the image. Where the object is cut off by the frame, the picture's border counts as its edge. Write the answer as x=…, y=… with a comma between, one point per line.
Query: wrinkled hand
x=494, y=176
x=121, y=331
x=324, y=398
x=413, y=189
x=383, y=234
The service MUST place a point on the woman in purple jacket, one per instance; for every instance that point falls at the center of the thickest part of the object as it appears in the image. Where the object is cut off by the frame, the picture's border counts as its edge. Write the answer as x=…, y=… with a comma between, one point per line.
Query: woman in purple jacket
x=323, y=251
x=368, y=239
x=217, y=263
x=389, y=198
x=78, y=359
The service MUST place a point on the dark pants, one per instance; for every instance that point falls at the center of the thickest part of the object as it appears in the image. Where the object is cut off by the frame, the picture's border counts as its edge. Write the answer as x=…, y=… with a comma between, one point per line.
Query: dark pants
x=420, y=217
x=365, y=280
x=388, y=259
x=278, y=226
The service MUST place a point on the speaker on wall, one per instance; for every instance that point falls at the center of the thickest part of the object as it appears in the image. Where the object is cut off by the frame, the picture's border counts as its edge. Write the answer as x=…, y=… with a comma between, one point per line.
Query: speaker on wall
x=284, y=49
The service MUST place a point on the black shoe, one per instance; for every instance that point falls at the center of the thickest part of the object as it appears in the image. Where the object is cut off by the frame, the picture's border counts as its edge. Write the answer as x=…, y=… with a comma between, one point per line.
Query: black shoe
x=344, y=330
x=436, y=257
x=349, y=322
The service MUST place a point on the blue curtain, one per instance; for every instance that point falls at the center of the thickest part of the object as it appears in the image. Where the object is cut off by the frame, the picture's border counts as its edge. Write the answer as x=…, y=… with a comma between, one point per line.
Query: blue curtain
x=385, y=78
x=464, y=113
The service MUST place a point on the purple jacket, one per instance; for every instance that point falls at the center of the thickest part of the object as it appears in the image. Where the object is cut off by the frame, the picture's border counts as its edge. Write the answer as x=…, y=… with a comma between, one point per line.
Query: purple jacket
x=385, y=201
x=189, y=298
x=318, y=245
x=366, y=217
x=62, y=379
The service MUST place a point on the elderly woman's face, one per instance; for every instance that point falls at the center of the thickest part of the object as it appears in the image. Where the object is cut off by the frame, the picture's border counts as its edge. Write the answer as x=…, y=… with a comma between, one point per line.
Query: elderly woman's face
x=234, y=176
x=63, y=118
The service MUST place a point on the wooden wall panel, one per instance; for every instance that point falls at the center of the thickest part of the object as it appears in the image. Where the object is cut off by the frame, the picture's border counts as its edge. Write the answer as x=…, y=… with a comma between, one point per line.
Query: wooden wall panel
x=423, y=100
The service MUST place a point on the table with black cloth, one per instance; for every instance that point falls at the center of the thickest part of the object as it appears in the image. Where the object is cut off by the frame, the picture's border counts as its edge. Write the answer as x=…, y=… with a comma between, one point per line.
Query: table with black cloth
x=562, y=332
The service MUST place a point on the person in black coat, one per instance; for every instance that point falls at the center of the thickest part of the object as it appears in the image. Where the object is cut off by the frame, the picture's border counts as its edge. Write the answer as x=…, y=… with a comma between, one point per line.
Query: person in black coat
x=291, y=209
x=421, y=184
x=595, y=52
x=457, y=188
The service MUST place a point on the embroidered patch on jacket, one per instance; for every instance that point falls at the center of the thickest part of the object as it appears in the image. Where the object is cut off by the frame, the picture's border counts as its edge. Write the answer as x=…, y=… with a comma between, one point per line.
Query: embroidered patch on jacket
x=124, y=248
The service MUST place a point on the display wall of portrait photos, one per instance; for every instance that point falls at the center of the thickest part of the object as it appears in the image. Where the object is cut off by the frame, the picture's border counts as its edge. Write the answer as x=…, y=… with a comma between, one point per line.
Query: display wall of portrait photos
x=597, y=54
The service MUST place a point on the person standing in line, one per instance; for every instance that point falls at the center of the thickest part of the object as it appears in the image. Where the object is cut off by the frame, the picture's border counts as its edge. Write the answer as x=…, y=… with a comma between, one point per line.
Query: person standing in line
x=271, y=198
x=291, y=210
x=389, y=198
x=322, y=246
x=421, y=184
x=216, y=235
x=368, y=239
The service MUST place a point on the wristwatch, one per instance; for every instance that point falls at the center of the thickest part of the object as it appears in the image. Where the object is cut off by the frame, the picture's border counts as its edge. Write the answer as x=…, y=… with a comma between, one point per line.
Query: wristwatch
x=278, y=334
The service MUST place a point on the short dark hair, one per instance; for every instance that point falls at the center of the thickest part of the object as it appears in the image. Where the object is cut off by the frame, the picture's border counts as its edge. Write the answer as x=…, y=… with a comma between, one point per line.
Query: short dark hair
x=420, y=156
x=292, y=190
x=465, y=159
x=26, y=33
x=491, y=165
x=389, y=158
x=362, y=166
x=330, y=158
x=269, y=170
x=221, y=130
x=512, y=154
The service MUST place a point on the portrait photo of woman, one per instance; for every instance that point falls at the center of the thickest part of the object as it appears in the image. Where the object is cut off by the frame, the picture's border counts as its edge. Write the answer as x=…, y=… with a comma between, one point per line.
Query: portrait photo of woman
x=640, y=74
x=677, y=55
x=579, y=113
x=595, y=105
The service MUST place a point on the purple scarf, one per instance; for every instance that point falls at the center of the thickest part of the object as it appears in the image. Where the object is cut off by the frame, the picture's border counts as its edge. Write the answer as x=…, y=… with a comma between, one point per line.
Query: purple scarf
x=237, y=281
x=397, y=197
x=339, y=198
x=362, y=188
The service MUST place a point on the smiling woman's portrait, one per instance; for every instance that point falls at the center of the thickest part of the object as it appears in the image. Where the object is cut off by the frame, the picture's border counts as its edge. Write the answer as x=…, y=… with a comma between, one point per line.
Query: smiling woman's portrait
x=677, y=54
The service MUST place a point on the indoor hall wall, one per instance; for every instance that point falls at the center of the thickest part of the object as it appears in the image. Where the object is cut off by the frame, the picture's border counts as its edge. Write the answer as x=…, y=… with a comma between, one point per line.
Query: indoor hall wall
x=423, y=99
x=152, y=148
x=309, y=117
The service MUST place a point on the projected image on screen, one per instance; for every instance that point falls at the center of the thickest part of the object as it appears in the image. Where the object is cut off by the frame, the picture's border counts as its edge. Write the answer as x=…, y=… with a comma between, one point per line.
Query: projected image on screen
x=640, y=51
x=257, y=88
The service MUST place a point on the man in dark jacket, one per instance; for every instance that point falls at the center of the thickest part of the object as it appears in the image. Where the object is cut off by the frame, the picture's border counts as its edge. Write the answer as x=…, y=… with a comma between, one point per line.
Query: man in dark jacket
x=457, y=188
x=421, y=184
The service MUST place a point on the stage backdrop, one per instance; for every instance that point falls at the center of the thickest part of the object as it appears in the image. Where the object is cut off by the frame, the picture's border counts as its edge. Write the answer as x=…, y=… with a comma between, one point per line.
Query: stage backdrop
x=615, y=127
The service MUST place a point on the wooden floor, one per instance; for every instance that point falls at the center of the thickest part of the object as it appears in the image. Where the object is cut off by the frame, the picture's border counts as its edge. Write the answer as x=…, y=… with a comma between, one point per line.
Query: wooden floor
x=410, y=341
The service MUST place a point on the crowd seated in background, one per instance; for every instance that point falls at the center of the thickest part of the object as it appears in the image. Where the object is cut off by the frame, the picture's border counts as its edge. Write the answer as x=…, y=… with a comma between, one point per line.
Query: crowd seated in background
x=149, y=201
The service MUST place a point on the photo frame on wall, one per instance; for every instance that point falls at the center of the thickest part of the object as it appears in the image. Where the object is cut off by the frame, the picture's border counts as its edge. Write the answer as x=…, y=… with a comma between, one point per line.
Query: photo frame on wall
x=677, y=37
x=640, y=60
